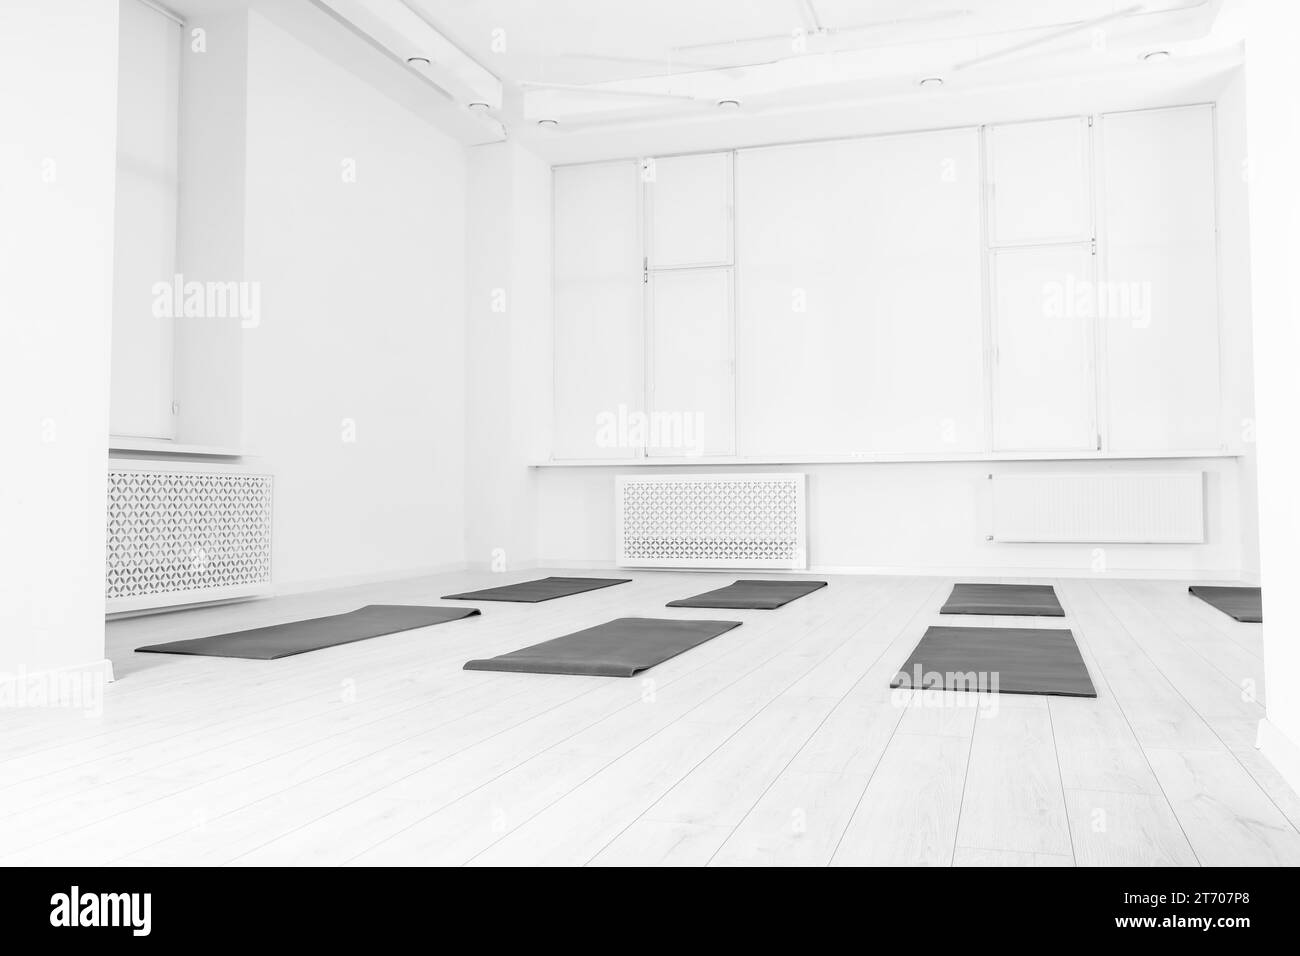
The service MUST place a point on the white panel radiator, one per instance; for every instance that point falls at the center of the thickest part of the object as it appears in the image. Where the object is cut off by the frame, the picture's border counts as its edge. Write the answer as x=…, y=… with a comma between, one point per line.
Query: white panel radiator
x=712, y=521
x=1101, y=509
x=178, y=535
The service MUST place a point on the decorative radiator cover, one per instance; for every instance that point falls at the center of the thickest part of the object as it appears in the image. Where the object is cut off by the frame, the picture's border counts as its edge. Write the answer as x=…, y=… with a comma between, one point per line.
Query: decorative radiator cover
x=178, y=535
x=712, y=521
x=1100, y=509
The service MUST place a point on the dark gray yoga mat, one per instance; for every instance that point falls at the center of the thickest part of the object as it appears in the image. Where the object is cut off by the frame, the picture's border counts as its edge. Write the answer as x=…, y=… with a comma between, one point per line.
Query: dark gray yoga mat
x=1005, y=660
x=752, y=595
x=619, y=648
x=543, y=589
x=1243, y=604
x=298, y=637
x=1022, y=600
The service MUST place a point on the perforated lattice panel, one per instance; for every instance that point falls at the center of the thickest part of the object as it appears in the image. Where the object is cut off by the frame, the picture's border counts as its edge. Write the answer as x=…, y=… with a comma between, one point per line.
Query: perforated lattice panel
x=743, y=521
x=175, y=533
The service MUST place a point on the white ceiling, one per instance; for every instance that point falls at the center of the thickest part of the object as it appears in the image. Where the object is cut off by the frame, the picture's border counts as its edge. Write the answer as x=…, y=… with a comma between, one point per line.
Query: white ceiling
x=631, y=77
x=592, y=41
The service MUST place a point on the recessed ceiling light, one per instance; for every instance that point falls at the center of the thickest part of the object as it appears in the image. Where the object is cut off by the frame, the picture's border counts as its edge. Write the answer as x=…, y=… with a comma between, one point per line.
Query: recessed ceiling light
x=1157, y=55
x=931, y=82
x=418, y=60
x=548, y=122
x=728, y=104
x=478, y=107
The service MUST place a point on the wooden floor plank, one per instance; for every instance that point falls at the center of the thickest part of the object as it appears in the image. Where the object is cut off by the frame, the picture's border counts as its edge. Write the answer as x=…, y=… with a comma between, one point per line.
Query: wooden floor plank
x=1013, y=798
x=662, y=843
x=971, y=856
x=1096, y=748
x=1159, y=715
x=798, y=821
x=1228, y=819
x=909, y=813
x=1126, y=829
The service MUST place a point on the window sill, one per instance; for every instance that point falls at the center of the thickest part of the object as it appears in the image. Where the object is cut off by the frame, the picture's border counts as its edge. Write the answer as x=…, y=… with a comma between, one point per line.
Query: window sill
x=159, y=446
x=732, y=461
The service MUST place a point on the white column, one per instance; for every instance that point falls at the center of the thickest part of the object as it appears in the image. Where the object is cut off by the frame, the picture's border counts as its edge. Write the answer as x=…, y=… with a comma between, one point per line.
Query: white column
x=58, y=97
x=1274, y=169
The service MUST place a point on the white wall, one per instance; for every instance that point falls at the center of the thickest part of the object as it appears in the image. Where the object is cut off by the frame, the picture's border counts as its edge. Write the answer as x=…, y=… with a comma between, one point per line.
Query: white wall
x=910, y=517
x=1234, y=291
x=354, y=380
x=507, y=350
x=208, y=357
x=1274, y=140
x=58, y=91
x=148, y=111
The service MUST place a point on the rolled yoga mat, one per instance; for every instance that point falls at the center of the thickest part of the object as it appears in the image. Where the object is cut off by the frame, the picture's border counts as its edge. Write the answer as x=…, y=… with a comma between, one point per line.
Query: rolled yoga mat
x=298, y=637
x=752, y=595
x=1243, y=604
x=619, y=648
x=543, y=589
x=1021, y=600
x=1003, y=660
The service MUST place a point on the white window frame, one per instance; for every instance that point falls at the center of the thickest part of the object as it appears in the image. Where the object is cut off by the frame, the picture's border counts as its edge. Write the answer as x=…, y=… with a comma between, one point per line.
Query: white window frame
x=992, y=247
x=649, y=270
x=1094, y=238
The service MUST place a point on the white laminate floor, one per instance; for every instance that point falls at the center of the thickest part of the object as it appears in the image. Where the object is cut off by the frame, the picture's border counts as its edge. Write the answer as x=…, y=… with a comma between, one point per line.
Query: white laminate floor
x=779, y=742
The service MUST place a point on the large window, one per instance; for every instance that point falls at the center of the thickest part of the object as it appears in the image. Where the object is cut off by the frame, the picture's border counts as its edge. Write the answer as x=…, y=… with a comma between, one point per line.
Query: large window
x=688, y=275
x=1044, y=286
x=859, y=325
x=598, y=303
x=1159, y=259
x=148, y=104
x=1041, y=273
x=1043, y=398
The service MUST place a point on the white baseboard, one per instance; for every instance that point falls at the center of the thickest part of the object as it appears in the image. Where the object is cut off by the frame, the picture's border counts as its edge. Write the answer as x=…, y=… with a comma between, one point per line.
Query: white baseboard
x=356, y=580
x=1281, y=751
x=304, y=587
x=132, y=606
x=967, y=571
x=78, y=687
x=359, y=580
x=167, y=608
